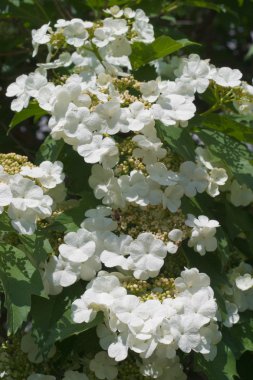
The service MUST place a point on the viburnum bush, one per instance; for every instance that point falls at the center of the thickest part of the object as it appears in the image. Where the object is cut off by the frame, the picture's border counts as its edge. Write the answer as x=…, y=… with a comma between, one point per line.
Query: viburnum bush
x=126, y=246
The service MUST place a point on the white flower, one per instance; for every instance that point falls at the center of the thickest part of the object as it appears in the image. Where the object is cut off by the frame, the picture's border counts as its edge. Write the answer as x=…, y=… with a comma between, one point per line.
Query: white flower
x=111, y=117
x=227, y=77
x=59, y=273
x=149, y=149
x=73, y=127
x=48, y=173
x=18, y=89
x=74, y=31
x=240, y=195
x=115, y=248
x=29, y=346
x=79, y=246
x=147, y=254
x=25, y=87
x=134, y=187
x=150, y=91
x=81, y=312
x=241, y=291
x=232, y=316
x=118, y=349
x=138, y=117
x=115, y=11
x=23, y=221
x=100, y=294
x=244, y=282
x=193, y=178
x=111, y=29
x=194, y=71
x=46, y=96
x=172, y=197
x=117, y=27
x=39, y=376
x=120, y=47
x=217, y=177
x=129, y=13
x=99, y=219
x=191, y=280
x=185, y=331
x=89, y=268
x=210, y=337
x=103, y=366
x=144, y=32
x=202, y=235
x=99, y=150
x=174, y=108
x=159, y=173
x=202, y=303
x=176, y=236
x=155, y=194
x=64, y=60
x=5, y=194
x=27, y=195
x=74, y=375
x=40, y=37
x=168, y=369
x=105, y=186
x=35, y=81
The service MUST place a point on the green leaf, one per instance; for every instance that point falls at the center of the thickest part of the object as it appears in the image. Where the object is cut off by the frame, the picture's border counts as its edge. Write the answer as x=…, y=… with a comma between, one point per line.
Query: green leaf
x=162, y=46
x=240, y=337
x=206, y=4
x=249, y=53
x=49, y=150
x=20, y=280
x=234, y=154
x=178, y=139
x=77, y=171
x=223, y=367
x=36, y=247
x=33, y=110
x=52, y=318
x=5, y=223
x=236, y=221
x=71, y=219
x=222, y=124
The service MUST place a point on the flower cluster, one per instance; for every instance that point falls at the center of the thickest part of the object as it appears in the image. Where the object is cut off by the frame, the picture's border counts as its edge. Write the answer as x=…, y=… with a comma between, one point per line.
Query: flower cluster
x=25, y=190
x=152, y=328
x=122, y=252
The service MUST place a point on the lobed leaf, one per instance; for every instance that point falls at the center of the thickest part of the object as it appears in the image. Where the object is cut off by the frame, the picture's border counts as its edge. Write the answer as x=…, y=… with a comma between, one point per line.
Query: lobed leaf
x=20, y=281
x=162, y=46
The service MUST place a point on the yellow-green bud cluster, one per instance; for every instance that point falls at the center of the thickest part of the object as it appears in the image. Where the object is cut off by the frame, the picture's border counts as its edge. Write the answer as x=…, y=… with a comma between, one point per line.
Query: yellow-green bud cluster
x=174, y=265
x=56, y=239
x=136, y=287
x=129, y=370
x=172, y=161
x=60, y=79
x=127, y=161
x=128, y=98
x=58, y=41
x=159, y=288
x=134, y=220
x=12, y=162
x=14, y=364
x=125, y=83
